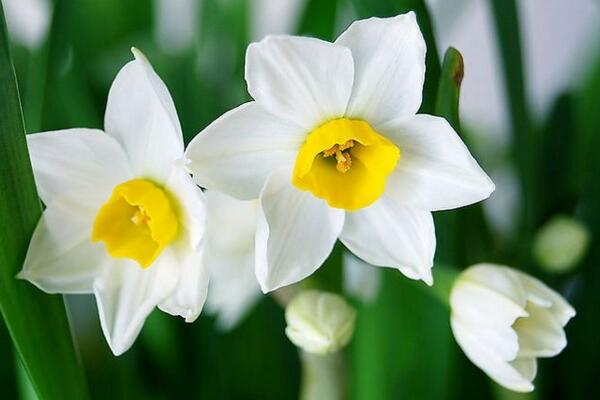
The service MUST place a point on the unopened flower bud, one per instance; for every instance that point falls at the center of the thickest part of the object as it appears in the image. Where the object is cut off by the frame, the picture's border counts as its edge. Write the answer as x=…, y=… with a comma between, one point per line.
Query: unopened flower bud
x=319, y=322
x=560, y=244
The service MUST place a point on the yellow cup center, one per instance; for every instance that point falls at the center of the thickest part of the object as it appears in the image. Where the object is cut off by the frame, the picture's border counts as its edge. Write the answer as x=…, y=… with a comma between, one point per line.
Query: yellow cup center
x=137, y=222
x=346, y=163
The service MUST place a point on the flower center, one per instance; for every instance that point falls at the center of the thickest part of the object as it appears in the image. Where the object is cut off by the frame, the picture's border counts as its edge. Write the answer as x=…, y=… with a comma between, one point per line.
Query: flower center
x=346, y=163
x=137, y=222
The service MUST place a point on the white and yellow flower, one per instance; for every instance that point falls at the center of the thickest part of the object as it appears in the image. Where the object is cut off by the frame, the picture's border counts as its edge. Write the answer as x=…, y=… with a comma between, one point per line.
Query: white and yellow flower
x=123, y=219
x=229, y=255
x=333, y=147
x=504, y=320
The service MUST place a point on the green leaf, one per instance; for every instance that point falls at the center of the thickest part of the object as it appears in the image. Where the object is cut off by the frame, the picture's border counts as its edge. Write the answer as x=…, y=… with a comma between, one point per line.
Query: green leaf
x=389, y=8
x=36, y=321
x=402, y=347
x=506, y=21
x=318, y=19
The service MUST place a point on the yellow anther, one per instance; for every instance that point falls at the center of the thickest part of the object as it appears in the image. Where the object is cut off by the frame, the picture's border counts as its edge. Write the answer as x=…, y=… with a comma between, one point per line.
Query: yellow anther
x=140, y=217
x=344, y=161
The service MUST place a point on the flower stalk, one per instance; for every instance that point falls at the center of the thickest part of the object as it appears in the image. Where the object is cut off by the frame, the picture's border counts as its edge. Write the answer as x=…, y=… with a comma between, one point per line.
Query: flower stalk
x=323, y=377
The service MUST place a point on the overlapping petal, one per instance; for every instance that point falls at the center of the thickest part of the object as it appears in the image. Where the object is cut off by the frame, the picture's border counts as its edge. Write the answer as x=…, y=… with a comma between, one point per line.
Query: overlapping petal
x=389, y=64
x=126, y=294
x=304, y=80
x=230, y=257
x=61, y=257
x=188, y=297
x=295, y=233
x=80, y=164
x=487, y=359
x=389, y=234
x=436, y=170
x=237, y=152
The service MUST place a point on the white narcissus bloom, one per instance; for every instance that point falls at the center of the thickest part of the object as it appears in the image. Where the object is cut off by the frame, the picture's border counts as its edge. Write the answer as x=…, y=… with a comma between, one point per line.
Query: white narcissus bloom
x=229, y=255
x=124, y=220
x=334, y=148
x=504, y=320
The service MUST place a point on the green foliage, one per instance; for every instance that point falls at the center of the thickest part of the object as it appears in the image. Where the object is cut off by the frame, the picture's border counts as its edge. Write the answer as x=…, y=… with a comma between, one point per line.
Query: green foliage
x=37, y=322
x=403, y=346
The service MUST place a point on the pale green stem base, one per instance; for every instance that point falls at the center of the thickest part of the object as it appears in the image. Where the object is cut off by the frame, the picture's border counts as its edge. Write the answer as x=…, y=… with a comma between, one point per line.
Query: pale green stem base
x=323, y=377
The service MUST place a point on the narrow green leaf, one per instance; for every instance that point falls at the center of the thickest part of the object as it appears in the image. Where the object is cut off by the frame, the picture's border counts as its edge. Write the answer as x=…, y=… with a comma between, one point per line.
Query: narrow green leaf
x=37, y=322
x=388, y=8
x=506, y=21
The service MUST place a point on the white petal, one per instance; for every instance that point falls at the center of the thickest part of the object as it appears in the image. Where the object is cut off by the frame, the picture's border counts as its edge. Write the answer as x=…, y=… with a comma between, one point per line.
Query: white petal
x=389, y=62
x=538, y=293
x=499, y=281
x=61, y=257
x=84, y=164
x=234, y=289
x=485, y=358
x=127, y=294
x=540, y=334
x=140, y=114
x=191, y=205
x=435, y=170
x=527, y=367
x=301, y=79
x=387, y=234
x=484, y=305
x=295, y=233
x=237, y=152
x=189, y=295
x=230, y=256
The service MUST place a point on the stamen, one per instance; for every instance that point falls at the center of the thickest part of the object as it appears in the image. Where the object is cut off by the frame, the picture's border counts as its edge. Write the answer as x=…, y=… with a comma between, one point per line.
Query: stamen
x=347, y=145
x=344, y=161
x=140, y=217
x=331, y=151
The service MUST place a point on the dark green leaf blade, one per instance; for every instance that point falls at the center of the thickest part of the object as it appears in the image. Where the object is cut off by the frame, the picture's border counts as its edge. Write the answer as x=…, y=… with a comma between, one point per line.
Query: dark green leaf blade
x=37, y=322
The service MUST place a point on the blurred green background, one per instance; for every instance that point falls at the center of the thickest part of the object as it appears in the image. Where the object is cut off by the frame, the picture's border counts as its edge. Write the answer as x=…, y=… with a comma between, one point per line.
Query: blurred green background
x=544, y=153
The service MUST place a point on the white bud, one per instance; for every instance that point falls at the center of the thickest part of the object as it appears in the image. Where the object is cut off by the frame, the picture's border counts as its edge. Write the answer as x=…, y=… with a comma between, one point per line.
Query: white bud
x=319, y=322
x=504, y=319
x=560, y=244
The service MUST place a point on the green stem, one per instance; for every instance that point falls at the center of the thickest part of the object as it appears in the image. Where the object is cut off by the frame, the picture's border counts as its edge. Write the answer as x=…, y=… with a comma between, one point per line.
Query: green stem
x=323, y=377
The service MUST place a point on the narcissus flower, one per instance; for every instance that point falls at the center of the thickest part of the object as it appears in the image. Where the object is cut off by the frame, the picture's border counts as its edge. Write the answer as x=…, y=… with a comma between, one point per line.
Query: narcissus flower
x=123, y=219
x=504, y=320
x=333, y=147
x=229, y=255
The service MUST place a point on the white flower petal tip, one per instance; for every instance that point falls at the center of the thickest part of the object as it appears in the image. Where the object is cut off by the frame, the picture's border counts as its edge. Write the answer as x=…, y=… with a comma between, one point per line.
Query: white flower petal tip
x=137, y=53
x=428, y=278
x=319, y=322
x=295, y=233
x=406, y=241
x=504, y=320
x=436, y=171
